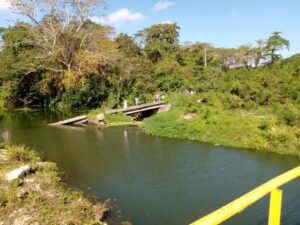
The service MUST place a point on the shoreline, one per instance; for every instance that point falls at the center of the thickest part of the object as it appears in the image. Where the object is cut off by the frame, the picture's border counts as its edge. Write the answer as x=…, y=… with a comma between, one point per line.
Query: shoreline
x=214, y=143
x=32, y=191
x=141, y=126
x=263, y=151
x=208, y=124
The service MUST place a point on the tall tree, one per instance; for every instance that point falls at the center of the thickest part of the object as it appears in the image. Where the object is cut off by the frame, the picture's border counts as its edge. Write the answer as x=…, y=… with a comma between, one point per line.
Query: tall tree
x=244, y=56
x=127, y=45
x=18, y=74
x=159, y=40
x=72, y=47
x=259, y=52
x=276, y=43
x=133, y=73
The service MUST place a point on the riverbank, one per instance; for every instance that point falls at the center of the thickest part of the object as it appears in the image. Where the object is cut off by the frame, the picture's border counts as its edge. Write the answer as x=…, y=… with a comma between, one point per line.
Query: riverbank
x=35, y=193
x=112, y=120
x=208, y=118
x=221, y=119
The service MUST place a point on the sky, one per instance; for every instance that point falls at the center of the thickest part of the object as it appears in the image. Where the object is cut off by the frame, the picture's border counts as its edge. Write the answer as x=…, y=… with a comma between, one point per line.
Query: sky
x=223, y=23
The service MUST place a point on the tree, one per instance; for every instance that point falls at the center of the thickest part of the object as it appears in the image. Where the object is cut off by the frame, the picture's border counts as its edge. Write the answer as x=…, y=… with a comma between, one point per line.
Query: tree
x=127, y=45
x=244, y=56
x=18, y=74
x=259, y=52
x=159, y=40
x=226, y=58
x=276, y=43
x=195, y=55
x=72, y=48
x=132, y=72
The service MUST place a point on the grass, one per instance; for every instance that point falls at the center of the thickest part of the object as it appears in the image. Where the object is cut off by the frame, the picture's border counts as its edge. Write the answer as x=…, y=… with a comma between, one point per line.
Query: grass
x=118, y=119
x=20, y=154
x=112, y=120
x=41, y=197
x=208, y=118
x=95, y=112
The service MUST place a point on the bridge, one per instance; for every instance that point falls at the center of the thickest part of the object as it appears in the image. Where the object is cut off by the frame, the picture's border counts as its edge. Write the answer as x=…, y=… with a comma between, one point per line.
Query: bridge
x=238, y=205
x=139, y=111
x=144, y=109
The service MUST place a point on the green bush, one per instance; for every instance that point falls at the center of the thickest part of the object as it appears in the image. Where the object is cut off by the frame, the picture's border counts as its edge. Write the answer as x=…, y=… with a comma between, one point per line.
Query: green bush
x=21, y=154
x=289, y=117
x=217, y=123
x=264, y=125
x=118, y=118
x=88, y=96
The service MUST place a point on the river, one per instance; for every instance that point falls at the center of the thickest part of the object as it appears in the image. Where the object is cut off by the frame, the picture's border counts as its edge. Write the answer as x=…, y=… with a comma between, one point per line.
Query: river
x=155, y=181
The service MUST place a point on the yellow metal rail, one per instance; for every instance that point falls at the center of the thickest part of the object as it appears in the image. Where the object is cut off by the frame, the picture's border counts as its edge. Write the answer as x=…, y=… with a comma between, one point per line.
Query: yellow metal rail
x=251, y=197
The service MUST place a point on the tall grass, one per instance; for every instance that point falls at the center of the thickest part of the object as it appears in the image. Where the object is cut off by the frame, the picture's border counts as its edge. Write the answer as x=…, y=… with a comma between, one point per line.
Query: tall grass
x=214, y=120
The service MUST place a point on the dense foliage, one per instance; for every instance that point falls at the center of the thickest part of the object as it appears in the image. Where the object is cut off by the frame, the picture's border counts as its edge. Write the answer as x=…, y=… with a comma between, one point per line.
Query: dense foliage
x=61, y=59
x=249, y=108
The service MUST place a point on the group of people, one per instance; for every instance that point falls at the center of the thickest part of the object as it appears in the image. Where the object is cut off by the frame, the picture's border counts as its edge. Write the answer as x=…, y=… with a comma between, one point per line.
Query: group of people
x=157, y=98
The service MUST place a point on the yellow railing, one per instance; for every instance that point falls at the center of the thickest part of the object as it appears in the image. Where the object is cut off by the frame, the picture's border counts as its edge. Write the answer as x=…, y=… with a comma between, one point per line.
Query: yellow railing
x=251, y=197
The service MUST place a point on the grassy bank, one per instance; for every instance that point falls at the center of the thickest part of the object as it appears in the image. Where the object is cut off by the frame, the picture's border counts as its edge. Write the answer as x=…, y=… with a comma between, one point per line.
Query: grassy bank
x=40, y=197
x=112, y=120
x=211, y=117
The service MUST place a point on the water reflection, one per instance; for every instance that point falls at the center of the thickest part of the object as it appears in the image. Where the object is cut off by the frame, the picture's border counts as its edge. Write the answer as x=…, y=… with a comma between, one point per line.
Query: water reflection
x=6, y=136
x=73, y=128
x=126, y=142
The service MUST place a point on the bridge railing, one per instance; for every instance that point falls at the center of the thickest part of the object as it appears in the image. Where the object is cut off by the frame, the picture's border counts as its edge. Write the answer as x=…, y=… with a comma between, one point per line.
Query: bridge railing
x=251, y=197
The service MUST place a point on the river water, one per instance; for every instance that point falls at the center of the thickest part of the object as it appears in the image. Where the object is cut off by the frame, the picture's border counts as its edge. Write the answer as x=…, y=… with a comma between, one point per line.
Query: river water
x=155, y=181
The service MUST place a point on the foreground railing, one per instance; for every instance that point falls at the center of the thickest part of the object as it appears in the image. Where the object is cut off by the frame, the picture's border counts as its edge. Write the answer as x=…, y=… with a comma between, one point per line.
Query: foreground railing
x=251, y=197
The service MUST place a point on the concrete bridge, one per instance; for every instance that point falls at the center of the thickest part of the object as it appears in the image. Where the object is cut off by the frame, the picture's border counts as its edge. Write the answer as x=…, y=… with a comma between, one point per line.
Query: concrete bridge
x=144, y=110
x=138, y=112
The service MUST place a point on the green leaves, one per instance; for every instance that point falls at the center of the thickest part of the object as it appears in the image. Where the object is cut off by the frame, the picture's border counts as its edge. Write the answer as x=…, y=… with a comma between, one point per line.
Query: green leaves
x=159, y=40
x=276, y=43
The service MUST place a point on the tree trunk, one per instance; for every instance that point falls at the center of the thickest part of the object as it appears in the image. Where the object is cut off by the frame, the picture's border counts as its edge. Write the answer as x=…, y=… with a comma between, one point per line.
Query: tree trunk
x=205, y=56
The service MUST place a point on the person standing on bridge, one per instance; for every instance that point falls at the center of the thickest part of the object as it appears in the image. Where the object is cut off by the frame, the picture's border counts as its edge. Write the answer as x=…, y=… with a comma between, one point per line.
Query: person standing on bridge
x=157, y=98
x=125, y=104
x=136, y=101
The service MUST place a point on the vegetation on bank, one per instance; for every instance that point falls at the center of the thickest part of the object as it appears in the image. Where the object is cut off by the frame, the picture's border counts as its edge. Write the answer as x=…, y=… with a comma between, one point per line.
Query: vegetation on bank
x=118, y=119
x=246, y=96
x=59, y=58
x=111, y=120
x=40, y=197
x=246, y=108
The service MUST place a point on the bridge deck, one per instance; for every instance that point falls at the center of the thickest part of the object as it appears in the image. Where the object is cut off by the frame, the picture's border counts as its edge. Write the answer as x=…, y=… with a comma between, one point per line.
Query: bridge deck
x=139, y=108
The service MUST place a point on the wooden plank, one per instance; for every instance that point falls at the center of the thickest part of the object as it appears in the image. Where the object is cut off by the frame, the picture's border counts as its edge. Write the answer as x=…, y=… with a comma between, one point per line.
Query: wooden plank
x=69, y=121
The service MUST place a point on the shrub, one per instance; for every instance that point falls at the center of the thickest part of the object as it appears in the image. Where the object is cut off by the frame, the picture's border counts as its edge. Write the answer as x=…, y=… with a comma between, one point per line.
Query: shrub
x=289, y=117
x=3, y=199
x=118, y=118
x=264, y=125
x=192, y=109
x=20, y=154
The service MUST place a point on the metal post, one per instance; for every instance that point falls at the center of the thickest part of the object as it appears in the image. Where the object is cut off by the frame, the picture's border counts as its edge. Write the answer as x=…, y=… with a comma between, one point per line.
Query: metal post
x=275, y=207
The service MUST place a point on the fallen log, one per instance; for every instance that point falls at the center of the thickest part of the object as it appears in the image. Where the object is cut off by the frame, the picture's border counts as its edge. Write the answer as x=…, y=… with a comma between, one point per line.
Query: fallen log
x=70, y=121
